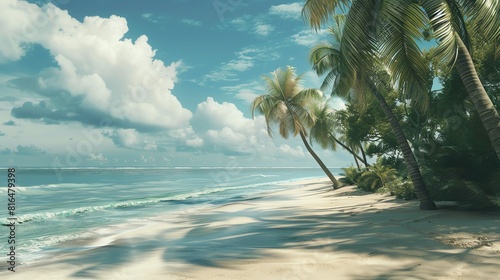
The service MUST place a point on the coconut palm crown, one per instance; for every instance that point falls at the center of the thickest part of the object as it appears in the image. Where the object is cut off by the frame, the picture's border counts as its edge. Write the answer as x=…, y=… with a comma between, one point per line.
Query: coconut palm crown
x=290, y=107
x=391, y=29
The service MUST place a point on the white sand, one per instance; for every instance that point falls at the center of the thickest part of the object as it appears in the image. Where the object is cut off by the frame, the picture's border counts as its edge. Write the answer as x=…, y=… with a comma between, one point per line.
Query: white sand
x=312, y=232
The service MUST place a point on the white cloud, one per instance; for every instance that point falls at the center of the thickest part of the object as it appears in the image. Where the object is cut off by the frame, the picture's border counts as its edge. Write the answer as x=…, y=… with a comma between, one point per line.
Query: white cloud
x=195, y=142
x=100, y=158
x=131, y=139
x=192, y=22
x=252, y=25
x=147, y=159
x=100, y=75
x=246, y=92
x=264, y=29
x=286, y=150
x=187, y=137
x=225, y=128
x=10, y=123
x=245, y=60
x=288, y=11
x=239, y=23
x=247, y=96
x=220, y=115
x=29, y=150
x=309, y=38
x=227, y=70
x=152, y=18
x=241, y=64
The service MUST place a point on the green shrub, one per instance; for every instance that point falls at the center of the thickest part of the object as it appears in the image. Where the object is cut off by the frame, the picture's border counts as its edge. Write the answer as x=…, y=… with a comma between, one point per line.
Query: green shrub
x=401, y=189
x=464, y=176
x=377, y=176
x=351, y=175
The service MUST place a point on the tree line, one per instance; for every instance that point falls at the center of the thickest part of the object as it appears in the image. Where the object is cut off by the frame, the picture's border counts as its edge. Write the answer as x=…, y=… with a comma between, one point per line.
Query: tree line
x=433, y=145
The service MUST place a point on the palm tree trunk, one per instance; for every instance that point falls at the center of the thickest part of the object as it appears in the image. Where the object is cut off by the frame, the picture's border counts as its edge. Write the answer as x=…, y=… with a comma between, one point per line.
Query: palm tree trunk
x=335, y=183
x=357, y=163
x=363, y=154
x=349, y=150
x=482, y=103
x=416, y=177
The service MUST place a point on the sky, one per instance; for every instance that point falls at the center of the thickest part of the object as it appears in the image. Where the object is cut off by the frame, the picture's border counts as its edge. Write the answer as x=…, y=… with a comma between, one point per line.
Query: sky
x=148, y=83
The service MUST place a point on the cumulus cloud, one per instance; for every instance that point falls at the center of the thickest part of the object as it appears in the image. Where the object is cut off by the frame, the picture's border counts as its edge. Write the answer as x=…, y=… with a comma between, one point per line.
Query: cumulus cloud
x=309, y=38
x=286, y=150
x=40, y=111
x=246, y=92
x=224, y=128
x=195, y=142
x=5, y=151
x=99, y=158
x=30, y=150
x=187, y=137
x=99, y=74
x=146, y=159
x=10, y=123
x=287, y=11
x=131, y=139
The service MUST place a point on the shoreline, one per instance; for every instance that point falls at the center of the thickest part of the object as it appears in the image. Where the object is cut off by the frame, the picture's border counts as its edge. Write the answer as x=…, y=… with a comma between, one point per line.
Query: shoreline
x=309, y=231
x=101, y=236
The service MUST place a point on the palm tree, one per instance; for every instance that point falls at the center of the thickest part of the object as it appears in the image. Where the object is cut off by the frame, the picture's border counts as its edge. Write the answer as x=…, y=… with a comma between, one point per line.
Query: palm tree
x=343, y=76
x=352, y=131
x=289, y=106
x=394, y=26
x=323, y=131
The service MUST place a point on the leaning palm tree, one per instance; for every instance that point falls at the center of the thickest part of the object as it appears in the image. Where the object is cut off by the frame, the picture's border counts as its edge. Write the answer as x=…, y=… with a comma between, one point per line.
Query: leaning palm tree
x=289, y=106
x=352, y=132
x=346, y=78
x=393, y=28
x=323, y=132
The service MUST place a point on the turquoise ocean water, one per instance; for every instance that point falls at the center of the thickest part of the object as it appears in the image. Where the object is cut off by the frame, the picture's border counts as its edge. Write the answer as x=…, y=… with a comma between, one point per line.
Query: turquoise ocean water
x=58, y=207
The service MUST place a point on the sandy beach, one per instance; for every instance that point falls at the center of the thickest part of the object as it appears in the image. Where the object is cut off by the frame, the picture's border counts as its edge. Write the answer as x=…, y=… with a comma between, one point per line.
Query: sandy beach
x=311, y=232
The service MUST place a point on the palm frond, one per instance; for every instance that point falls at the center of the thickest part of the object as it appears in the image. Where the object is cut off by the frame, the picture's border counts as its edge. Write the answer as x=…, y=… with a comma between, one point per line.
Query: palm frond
x=486, y=13
x=278, y=114
x=324, y=58
x=270, y=114
x=307, y=97
x=318, y=12
x=302, y=119
x=357, y=45
x=286, y=105
x=458, y=23
x=440, y=16
x=403, y=24
x=323, y=130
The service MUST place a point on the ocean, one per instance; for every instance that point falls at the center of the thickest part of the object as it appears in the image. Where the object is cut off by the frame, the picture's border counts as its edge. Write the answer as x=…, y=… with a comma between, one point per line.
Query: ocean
x=57, y=207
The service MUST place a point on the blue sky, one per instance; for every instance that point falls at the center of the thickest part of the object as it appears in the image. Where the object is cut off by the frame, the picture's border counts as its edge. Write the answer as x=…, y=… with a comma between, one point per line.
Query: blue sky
x=130, y=83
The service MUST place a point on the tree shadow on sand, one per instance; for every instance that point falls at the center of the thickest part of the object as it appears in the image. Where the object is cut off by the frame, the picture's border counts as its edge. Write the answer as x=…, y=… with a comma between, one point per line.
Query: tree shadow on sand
x=387, y=229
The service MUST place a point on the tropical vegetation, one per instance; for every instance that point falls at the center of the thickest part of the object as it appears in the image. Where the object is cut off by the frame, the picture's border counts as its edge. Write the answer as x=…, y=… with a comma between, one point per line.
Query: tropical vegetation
x=433, y=145
x=290, y=107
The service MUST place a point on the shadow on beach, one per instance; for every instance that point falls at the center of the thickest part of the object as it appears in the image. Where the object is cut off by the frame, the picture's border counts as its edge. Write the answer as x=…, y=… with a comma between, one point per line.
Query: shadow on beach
x=347, y=222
